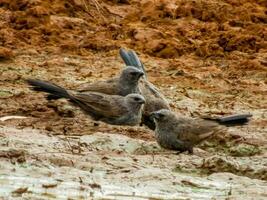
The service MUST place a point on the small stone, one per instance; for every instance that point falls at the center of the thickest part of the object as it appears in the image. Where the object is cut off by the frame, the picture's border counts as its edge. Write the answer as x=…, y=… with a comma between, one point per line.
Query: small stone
x=5, y=53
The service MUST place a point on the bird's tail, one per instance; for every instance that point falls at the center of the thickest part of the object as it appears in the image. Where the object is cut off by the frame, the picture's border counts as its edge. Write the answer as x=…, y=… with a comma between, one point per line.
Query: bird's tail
x=233, y=120
x=130, y=58
x=55, y=91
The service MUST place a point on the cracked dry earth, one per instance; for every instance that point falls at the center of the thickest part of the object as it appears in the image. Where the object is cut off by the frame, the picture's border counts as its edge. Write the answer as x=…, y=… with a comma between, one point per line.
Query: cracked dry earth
x=55, y=152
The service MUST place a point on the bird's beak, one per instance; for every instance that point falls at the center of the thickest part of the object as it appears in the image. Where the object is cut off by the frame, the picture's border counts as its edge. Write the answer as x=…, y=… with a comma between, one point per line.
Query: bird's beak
x=154, y=115
x=142, y=101
x=141, y=74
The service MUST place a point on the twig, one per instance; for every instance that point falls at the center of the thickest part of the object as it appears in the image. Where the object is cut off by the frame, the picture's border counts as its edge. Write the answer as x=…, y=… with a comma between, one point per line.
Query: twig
x=98, y=7
x=71, y=148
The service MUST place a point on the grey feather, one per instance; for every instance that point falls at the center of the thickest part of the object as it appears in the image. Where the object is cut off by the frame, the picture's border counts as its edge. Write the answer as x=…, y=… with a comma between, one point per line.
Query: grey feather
x=183, y=133
x=112, y=109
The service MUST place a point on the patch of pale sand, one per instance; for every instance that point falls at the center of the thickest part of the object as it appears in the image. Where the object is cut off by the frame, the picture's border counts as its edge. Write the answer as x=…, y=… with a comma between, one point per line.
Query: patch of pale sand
x=113, y=167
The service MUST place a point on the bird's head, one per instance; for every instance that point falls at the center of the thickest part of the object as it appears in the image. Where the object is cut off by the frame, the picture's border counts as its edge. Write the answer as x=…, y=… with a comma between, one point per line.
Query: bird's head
x=131, y=74
x=162, y=116
x=135, y=99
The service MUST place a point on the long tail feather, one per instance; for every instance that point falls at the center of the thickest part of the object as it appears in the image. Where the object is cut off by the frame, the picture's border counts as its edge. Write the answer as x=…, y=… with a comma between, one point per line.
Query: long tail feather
x=130, y=58
x=233, y=120
x=125, y=57
x=136, y=61
x=55, y=91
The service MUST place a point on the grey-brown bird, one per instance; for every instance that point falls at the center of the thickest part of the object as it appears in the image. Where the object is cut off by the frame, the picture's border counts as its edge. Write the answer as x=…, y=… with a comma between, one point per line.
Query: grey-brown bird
x=126, y=83
x=112, y=109
x=155, y=100
x=183, y=133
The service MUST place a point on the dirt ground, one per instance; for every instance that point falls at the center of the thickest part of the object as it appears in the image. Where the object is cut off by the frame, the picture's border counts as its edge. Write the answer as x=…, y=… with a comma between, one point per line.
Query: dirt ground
x=207, y=58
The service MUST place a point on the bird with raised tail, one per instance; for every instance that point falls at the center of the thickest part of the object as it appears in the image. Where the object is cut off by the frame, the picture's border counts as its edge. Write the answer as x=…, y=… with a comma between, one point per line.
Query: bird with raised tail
x=155, y=100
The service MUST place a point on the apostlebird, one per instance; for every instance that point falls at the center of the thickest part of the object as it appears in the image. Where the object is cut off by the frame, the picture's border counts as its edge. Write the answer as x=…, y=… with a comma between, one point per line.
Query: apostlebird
x=111, y=109
x=154, y=99
x=183, y=133
x=126, y=83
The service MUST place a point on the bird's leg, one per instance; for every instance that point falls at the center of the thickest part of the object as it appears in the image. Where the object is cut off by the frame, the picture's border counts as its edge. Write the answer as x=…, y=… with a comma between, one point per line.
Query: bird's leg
x=190, y=150
x=179, y=152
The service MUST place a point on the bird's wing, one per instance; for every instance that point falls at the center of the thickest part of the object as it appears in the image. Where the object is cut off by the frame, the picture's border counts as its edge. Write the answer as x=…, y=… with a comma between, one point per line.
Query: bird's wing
x=101, y=104
x=150, y=89
x=195, y=130
x=154, y=104
x=107, y=87
x=155, y=100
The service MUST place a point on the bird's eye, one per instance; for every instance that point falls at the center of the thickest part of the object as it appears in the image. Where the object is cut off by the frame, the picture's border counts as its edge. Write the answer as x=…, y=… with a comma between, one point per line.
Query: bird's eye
x=136, y=99
x=133, y=73
x=161, y=115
